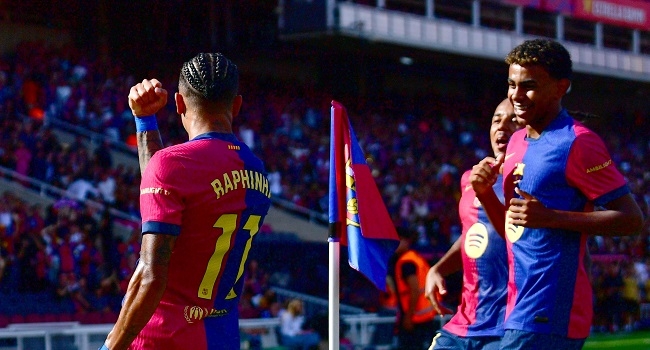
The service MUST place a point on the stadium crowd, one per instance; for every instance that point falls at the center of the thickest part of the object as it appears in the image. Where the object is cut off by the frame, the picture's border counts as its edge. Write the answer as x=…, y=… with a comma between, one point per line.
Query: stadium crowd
x=417, y=150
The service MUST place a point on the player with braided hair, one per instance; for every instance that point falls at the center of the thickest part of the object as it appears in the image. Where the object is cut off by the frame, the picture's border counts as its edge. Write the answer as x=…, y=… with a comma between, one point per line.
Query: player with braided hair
x=202, y=203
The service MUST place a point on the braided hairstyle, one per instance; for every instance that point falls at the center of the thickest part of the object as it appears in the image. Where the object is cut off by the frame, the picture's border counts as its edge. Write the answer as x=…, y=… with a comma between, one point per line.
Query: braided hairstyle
x=547, y=53
x=209, y=77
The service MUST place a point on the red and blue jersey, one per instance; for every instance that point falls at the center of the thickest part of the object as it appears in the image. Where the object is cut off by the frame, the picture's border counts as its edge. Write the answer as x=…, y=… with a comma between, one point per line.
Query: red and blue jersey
x=211, y=192
x=485, y=269
x=567, y=168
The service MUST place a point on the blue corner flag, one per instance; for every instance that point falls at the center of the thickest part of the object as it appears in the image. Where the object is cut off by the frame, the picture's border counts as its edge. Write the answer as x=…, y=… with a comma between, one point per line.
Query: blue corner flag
x=356, y=207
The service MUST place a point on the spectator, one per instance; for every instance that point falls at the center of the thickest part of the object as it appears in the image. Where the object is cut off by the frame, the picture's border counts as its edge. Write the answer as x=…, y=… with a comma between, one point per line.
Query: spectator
x=246, y=306
x=81, y=189
x=268, y=305
x=256, y=280
x=23, y=158
x=106, y=187
x=30, y=259
x=275, y=181
x=292, y=331
x=103, y=156
x=611, y=300
x=7, y=223
x=631, y=298
x=70, y=287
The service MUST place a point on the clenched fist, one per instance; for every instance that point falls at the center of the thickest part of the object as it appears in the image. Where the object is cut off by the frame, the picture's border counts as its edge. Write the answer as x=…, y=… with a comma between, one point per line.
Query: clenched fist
x=147, y=98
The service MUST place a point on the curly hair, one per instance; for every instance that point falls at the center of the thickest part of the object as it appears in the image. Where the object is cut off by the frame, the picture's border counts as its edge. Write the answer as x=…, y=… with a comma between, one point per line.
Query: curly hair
x=210, y=77
x=544, y=52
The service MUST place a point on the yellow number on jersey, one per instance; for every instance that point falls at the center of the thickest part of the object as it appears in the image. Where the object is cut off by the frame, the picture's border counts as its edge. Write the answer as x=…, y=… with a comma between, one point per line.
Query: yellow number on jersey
x=228, y=224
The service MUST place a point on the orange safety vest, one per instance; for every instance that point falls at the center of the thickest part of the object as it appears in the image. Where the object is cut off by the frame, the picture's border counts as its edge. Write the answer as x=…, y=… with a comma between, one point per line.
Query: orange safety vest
x=388, y=299
x=424, y=311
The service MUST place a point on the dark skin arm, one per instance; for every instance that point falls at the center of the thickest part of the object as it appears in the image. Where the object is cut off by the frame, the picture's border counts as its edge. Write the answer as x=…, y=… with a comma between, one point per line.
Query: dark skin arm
x=621, y=217
x=145, y=290
x=435, y=286
x=483, y=177
x=149, y=280
x=146, y=99
x=149, y=142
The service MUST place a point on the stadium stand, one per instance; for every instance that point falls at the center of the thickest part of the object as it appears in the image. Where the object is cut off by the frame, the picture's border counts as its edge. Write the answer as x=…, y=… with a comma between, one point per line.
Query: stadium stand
x=63, y=119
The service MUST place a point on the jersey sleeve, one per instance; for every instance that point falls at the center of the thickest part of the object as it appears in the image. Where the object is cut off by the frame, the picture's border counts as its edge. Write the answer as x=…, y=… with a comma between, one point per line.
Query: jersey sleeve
x=161, y=202
x=590, y=169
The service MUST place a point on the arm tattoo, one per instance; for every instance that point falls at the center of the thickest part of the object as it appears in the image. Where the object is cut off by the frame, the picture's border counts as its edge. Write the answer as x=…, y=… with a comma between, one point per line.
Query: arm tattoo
x=131, y=332
x=163, y=246
x=149, y=142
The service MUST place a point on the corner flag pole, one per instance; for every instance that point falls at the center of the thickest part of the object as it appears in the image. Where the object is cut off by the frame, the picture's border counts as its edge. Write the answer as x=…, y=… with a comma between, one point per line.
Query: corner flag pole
x=334, y=274
x=337, y=215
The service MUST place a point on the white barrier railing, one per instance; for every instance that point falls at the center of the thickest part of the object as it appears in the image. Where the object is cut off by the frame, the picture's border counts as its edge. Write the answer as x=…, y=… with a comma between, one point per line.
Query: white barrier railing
x=312, y=304
x=43, y=336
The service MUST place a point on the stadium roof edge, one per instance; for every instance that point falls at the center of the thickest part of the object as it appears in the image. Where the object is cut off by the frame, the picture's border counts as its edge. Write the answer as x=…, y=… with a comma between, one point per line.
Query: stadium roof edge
x=379, y=25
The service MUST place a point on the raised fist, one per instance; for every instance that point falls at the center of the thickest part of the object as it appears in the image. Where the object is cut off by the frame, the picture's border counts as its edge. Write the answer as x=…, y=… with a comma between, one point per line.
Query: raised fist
x=147, y=98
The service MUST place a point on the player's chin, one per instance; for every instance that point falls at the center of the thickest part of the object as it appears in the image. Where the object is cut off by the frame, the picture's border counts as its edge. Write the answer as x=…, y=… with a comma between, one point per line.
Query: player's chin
x=523, y=116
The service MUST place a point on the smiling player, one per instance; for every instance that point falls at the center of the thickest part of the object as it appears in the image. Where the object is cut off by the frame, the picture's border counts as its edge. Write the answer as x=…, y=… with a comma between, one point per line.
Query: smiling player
x=554, y=173
x=481, y=253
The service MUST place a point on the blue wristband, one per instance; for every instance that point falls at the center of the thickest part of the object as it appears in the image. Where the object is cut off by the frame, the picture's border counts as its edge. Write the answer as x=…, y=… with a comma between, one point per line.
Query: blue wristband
x=104, y=347
x=147, y=123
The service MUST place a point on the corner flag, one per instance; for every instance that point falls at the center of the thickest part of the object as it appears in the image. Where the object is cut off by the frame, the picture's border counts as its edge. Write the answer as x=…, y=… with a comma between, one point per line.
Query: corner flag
x=357, y=213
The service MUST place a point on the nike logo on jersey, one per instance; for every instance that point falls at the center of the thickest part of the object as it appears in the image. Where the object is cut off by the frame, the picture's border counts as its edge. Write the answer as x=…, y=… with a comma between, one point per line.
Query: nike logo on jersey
x=509, y=155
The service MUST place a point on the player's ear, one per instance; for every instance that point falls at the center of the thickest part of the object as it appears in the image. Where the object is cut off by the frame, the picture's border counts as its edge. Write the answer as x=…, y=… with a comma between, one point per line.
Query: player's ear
x=180, y=104
x=236, y=105
x=563, y=87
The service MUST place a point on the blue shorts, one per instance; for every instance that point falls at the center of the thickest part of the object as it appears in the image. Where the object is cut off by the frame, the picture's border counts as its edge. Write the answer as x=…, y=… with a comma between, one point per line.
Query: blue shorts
x=448, y=341
x=522, y=340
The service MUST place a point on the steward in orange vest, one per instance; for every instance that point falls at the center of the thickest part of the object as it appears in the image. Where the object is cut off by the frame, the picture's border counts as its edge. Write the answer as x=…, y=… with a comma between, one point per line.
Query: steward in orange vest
x=407, y=276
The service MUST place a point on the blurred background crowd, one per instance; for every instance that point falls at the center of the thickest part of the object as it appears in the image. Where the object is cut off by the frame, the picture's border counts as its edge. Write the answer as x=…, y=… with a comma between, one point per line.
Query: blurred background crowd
x=417, y=150
x=65, y=255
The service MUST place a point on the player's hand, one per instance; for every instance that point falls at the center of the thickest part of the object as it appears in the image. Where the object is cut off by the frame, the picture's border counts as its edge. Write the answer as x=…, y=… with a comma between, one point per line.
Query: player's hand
x=484, y=174
x=434, y=289
x=147, y=98
x=528, y=211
